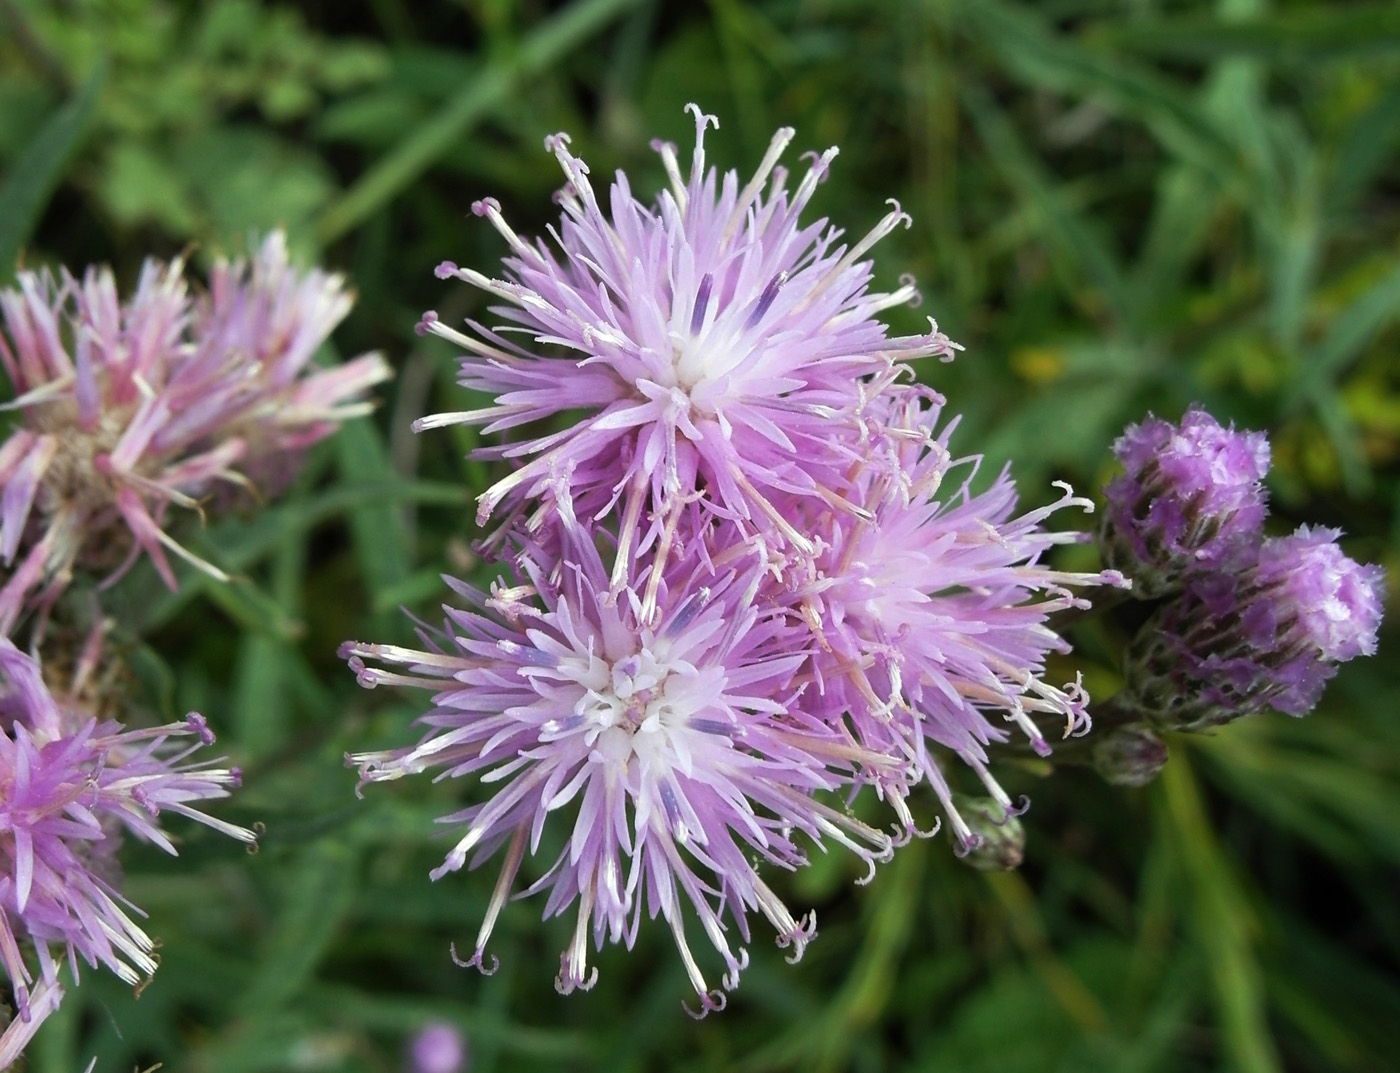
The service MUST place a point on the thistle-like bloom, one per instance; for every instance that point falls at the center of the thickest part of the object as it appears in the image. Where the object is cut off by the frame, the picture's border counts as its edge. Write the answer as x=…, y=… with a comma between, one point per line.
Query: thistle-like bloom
x=1190, y=499
x=126, y=408
x=70, y=786
x=714, y=344
x=930, y=609
x=674, y=751
x=1269, y=636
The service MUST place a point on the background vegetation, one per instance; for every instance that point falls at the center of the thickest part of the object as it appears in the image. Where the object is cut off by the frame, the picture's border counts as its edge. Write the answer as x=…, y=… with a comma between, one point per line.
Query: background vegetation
x=1119, y=205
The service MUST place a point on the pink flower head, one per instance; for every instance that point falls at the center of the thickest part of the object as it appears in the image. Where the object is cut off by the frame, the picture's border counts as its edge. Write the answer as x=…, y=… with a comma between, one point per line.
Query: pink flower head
x=263, y=321
x=70, y=785
x=714, y=343
x=673, y=748
x=930, y=609
x=128, y=407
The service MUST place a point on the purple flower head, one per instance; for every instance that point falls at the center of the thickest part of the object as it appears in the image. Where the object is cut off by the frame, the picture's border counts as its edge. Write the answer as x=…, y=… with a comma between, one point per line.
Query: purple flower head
x=929, y=609
x=70, y=786
x=1270, y=636
x=671, y=749
x=1328, y=605
x=127, y=408
x=1190, y=499
x=713, y=341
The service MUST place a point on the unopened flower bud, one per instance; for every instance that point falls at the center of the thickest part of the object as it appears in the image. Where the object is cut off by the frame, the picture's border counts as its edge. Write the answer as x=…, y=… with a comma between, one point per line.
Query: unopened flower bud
x=1000, y=839
x=1130, y=756
x=1190, y=499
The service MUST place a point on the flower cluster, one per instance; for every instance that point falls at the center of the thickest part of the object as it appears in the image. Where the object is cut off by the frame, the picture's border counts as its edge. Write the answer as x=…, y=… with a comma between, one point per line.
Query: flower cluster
x=748, y=579
x=127, y=408
x=1249, y=621
x=123, y=409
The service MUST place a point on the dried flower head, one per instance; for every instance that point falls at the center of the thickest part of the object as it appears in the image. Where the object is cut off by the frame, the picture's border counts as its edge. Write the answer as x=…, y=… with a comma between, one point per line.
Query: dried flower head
x=714, y=343
x=673, y=752
x=70, y=786
x=126, y=408
x=1190, y=499
x=1269, y=636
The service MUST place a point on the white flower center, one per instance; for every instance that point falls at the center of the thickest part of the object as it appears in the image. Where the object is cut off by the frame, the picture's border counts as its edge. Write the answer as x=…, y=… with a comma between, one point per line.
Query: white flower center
x=629, y=709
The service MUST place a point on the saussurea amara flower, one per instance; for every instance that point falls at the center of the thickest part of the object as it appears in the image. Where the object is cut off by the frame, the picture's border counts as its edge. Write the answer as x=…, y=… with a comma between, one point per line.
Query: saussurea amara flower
x=713, y=342
x=930, y=605
x=1190, y=499
x=71, y=785
x=1269, y=636
x=125, y=408
x=671, y=752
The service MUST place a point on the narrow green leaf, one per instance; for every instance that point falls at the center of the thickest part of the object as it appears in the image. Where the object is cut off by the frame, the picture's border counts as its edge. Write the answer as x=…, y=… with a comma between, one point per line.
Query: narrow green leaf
x=1303, y=35
x=1351, y=330
x=248, y=605
x=37, y=172
x=1059, y=64
x=314, y=902
x=1079, y=249
x=1370, y=144
x=1183, y=219
x=1223, y=922
x=416, y=153
x=382, y=540
x=1320, y=794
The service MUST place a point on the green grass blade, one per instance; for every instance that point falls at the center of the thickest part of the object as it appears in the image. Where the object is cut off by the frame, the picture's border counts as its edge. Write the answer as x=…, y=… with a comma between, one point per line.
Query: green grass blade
x=1224, y=924
x=1351, y=331
x=37, y=172
x=1042, y=59
x=1078, y=248
x=416, y=153
x=1307, y=35
x=1370, y=145
x=315, y=899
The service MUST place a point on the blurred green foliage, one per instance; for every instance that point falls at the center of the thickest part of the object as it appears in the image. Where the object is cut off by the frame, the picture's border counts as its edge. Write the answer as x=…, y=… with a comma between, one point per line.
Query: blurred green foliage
x=1118, y=207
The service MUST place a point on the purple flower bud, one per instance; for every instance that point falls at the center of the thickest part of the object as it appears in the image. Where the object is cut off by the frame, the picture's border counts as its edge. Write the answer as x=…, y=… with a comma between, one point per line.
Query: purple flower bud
x=1000, y=840
x=437, y=1048
x=1327, y=604
x=1269, y=636
x=1190, y=499
x=1130, y=756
